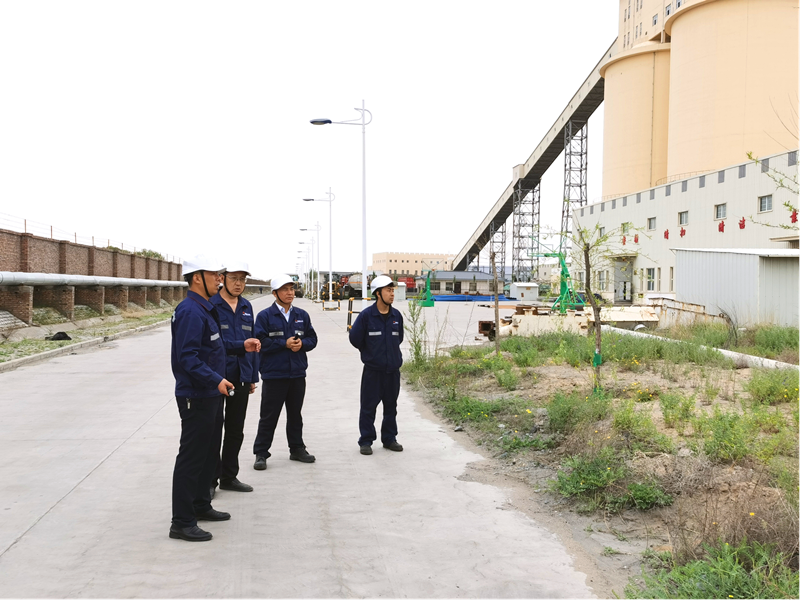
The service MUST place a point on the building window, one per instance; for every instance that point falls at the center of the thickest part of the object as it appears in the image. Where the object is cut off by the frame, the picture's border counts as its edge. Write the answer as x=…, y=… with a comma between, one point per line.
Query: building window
x=658, y=279
x=448, y=286
x=684, y=186
x=602, y=231
x=651, y=279
x=668, y=190
x=415, y=273
x=473, y=286
x=792, y=158
x=626, y=227
x=683, y=218
x=613, y=204
x=624, y=201
x=668, y=10
x=652, y=194
x=602, y=277
x=603, y=207
x=765, y=203
x=651, y=223
x=636, y=32
x=655, y=19
x=720, y=211
x=591, y=210
x=638, y=197
x=678, y=4
x=765, y=165
x=435, y=286
x=721, y=177
x=702, y=181
x=671, y=278
x=742, y=171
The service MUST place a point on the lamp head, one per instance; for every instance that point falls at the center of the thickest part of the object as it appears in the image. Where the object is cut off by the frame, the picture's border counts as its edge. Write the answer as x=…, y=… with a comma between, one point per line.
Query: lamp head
x=320, y=121
x=308, y=199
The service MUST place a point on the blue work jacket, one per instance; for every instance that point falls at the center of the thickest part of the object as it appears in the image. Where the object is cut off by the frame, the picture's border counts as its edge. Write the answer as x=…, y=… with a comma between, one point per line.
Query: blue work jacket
x=198, y=353
x=276, y=360
x=378, y=337
x=236, y=327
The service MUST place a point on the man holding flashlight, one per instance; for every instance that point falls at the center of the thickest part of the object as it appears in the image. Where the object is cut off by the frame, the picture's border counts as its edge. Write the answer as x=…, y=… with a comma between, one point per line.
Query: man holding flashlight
x=241, y=369
x=286, y=336
x=198, y=363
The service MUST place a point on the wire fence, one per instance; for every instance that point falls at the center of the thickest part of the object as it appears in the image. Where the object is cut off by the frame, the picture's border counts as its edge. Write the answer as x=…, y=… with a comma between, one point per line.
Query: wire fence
x=22, y=225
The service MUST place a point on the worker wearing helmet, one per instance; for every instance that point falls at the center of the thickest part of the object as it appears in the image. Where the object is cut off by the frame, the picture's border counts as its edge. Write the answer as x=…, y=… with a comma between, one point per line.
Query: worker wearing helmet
x=236, y=322
x=286, y=336
x=378, y=333
x=198, y=363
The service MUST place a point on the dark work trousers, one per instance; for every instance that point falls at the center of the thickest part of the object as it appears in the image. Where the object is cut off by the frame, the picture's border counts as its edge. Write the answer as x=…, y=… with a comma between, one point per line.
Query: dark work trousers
x=235, y=412
x=274, y=394
x=377, y=387
x=201, y=434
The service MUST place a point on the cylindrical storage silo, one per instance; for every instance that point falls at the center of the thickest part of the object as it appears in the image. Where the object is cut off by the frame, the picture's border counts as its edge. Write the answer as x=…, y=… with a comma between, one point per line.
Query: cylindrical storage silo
x=733, y=82
x=635, y=118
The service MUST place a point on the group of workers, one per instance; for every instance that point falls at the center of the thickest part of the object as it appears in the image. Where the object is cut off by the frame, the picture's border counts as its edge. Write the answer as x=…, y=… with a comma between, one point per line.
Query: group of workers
x=219, y=348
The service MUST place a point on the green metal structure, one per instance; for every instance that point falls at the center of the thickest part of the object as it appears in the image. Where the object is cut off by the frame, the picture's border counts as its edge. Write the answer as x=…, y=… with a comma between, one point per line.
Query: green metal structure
x=567, y=298
x=427, y=298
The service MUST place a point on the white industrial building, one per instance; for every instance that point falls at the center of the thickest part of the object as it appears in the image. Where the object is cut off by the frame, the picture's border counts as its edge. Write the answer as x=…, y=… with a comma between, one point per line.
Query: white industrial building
x=748, y=285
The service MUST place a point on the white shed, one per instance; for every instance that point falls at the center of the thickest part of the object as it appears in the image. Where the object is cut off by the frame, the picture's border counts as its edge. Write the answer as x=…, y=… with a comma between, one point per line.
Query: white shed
x=523, y=291
x=400, y=291
x=751, y=285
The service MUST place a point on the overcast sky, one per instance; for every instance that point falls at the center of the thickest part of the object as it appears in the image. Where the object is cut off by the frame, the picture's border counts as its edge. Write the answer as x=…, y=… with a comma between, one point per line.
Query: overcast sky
x=183, y=127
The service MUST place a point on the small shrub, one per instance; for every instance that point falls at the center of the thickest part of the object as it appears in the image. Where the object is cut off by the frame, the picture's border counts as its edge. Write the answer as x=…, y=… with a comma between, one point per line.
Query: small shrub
x=645, y=496
x=773, y=386
x=639, y=428
x=507, y=379
x=729, y=436
x=465, y=408
x=773, y=339
x=566, y=412
x=527, y=358
x=516, y=442
x=590, y=476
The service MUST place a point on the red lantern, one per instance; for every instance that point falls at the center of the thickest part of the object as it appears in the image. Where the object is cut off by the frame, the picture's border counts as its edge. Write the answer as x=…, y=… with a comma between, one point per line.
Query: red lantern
x=666, y=234
x=623, y=240
x=721, y=227
x=683, y=232
x=794, y=216
x=636, y=239
x=741, y=223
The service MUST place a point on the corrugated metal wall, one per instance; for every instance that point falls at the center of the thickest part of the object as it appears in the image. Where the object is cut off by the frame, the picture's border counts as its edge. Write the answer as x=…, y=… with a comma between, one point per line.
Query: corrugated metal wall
x=719, y=281
x=778, y=291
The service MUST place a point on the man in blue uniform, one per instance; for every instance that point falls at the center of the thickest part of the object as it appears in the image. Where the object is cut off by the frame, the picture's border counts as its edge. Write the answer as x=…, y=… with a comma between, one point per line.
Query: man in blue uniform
x=198, y=363
x=378, y=333
x=286, y=336
x=236, y=323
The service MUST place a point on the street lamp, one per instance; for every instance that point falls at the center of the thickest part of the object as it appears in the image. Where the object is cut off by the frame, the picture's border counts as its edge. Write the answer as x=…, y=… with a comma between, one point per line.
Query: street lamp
x=331, y=198
x=363, y=122
x=305, y=265
x=317, y=229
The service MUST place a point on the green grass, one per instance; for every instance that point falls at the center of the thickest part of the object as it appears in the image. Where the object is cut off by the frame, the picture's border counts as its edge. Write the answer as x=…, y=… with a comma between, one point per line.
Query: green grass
x=768, y=341
x=645, y=496
x=590, y=476
x=727, y=436
x=566, y=412
x=749, y=570
x=638, y=427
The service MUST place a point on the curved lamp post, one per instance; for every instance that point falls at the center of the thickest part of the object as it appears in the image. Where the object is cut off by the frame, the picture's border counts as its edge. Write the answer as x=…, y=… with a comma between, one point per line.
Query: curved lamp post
x=363, y=122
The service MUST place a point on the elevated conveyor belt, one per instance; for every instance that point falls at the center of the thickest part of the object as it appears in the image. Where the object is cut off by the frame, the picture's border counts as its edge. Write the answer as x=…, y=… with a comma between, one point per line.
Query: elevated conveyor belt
x=585, y=101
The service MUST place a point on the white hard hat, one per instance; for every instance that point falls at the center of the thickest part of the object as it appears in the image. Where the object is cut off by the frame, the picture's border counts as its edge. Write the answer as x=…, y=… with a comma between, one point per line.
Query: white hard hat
x=238, y=265
x=280, y=281
x=380, y=281
x=201, y=262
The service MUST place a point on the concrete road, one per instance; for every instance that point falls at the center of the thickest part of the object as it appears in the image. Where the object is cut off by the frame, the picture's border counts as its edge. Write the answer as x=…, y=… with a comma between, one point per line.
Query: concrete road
x=87, y=447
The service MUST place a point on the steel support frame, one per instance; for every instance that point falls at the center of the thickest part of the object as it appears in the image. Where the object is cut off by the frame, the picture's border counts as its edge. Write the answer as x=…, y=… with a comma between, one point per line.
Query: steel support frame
x=497, y=246
x=525, y=241
x=575, y=191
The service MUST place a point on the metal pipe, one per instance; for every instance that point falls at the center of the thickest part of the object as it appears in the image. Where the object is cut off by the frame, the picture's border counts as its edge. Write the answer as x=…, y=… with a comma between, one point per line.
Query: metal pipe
x=17, y=278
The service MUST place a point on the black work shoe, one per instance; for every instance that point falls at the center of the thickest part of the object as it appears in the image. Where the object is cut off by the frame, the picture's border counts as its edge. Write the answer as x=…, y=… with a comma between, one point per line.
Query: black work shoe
x=190, y=534
x=393, y=446
x=234, y=485
x=366, y=450
x=261, y=463
x=213, y=515
x=302, y=455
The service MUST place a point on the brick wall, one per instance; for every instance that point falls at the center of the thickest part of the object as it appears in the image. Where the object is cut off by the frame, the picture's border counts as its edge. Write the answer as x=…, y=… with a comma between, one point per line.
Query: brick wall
x=103, y=263
x=43, y=255
x=18, y=300
x=60, y=297
x=92, y=296
x=23, y=252
x=9, y=251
